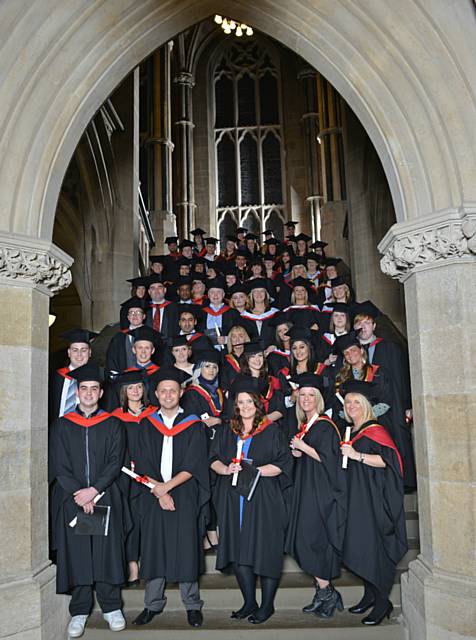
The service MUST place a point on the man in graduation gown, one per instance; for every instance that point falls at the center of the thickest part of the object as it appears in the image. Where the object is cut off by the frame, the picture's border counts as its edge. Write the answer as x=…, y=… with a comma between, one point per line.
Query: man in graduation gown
x=120, y=353
x=63, y=398
x=87, y=448
x=173, y=514
x=220, y=318
x=162, y=314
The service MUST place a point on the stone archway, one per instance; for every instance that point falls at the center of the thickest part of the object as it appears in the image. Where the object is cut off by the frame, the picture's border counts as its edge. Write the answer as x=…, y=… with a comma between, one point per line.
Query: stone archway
x=407, y=72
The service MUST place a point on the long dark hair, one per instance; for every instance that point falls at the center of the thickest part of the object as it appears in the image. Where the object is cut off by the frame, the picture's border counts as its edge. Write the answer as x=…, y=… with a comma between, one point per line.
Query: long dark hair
x=124, y=402
x=245, y=366
x=236, y=422
x=311, y=360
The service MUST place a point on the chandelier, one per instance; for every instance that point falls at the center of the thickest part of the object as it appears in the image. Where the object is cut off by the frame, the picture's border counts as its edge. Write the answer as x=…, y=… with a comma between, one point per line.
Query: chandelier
x=228, y=25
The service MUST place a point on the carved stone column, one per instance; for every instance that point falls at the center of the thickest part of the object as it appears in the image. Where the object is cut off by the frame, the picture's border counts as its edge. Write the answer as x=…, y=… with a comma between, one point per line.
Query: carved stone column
x=184, y=177
x=310, y=123
x=435, y=257
x=30, y=272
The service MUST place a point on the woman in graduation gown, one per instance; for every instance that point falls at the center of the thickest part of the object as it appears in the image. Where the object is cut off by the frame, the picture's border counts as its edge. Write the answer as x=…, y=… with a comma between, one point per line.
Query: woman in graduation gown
x=252, y=532
x=318, y=509
x=375, y=538
x=230, y=367
x=134, y=406
x=204, y=397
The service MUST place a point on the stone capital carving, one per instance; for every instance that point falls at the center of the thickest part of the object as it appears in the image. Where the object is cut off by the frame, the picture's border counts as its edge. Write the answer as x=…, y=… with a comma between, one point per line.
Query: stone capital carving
x=186, y=78
x=31, y=262
x=429, y=242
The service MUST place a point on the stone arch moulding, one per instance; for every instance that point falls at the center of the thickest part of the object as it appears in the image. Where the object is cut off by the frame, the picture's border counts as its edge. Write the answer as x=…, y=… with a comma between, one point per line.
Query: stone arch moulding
x=60, y=60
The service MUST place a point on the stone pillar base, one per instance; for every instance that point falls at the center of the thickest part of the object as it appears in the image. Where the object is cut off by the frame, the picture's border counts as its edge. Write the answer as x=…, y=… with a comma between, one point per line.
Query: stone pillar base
x=30, y=608
x=438, y=606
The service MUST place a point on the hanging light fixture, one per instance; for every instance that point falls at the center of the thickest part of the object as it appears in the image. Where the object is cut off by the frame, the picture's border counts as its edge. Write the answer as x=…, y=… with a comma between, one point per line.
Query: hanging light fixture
x=229, y=25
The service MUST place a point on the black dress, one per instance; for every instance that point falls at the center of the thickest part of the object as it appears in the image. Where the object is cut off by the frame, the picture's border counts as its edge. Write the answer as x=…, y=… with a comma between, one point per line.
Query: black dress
x=375, y=537
x=319, y=504
x=87, y=452
x=259, y=541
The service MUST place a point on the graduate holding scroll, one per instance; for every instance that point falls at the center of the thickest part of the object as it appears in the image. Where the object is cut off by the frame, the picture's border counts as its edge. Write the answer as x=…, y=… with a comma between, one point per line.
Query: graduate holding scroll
x=87, y=448
x=375, y=538
x=252, y=531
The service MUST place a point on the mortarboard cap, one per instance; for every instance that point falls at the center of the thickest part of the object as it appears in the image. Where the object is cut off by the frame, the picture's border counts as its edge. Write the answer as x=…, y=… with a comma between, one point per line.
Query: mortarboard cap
x=89, y=372
x=186, y=243
x=344, y=342
x=369, y=390
x=239, y=287
x=168, y=373
x=171, y=240
x=308, y=379
x=251, y=348
x=160, y=259
x=146, y=333
x=79, y=335
x=135, y=303
x=130, y=377
x=332, y=262
x=211, y=240
x=291, y=223
x=337, y=282
x=318, y=244
x=251, y=236
x=242, y=230
x=216, y=283
x=245, y=384
x=340, y=307
x=139, y=281
x=197, y=232
x=299, y=333
x=178, y=341
x=366, y=308
x=301, y=282
x=201, y=356
x=302, y=236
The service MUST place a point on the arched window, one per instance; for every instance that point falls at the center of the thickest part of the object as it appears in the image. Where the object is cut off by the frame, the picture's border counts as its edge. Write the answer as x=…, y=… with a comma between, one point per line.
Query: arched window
x=248, y=137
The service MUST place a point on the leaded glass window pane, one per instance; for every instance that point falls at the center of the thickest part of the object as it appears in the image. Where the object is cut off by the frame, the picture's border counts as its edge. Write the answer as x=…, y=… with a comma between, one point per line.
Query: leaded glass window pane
x=224, y=112
x=272, y=170
x=226, y=172
x=249, y=171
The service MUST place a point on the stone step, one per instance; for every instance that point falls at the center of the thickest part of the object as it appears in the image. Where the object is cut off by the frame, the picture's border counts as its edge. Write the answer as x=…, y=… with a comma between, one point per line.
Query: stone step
x=220, y=592
x=286, y=623
x=411, y=502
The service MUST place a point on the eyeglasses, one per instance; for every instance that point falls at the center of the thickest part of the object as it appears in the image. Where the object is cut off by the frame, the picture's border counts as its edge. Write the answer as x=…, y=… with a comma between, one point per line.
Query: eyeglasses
x=136, y=313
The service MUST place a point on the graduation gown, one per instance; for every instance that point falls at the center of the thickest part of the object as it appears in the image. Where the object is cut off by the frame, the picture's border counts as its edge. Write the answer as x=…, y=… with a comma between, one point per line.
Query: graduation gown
x=132, y=427
x=375, y=537
x=319, y=504
x=171, y=541
x=169, y=326
x=116, y=355
x=261, y=323
x=56, y=391
x=196, y=399
x=87, y=452
x=259, y=542
x=229, y=369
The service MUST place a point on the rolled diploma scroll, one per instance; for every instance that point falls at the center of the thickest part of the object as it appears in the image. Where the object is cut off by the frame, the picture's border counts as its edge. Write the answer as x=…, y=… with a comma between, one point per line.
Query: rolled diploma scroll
x=217, y=331
x=345, y=459
x=138, y=478
x=239, y=449
x=74, y=521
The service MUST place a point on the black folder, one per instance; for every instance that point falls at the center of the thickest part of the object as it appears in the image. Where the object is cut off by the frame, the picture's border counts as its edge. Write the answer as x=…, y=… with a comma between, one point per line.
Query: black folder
x=93, y=524
x=247, y=480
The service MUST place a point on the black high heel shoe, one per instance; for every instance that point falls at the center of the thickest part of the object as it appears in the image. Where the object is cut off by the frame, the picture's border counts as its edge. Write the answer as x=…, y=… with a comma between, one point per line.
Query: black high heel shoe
x=362, y=606
x=374, y=618
x=261, y=616
x=244, y=612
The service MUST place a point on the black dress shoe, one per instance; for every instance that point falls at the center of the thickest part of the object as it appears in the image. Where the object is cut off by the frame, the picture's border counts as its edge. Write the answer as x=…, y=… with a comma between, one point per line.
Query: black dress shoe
x=132, y=584
x=145, y=616
x=362, y=606
x=375, y=617
x=194, y=617
x=260, y=616
x=244, y=612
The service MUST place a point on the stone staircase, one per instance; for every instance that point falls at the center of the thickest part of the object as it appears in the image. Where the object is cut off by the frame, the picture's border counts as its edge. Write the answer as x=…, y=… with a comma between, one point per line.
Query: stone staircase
x=221, y=595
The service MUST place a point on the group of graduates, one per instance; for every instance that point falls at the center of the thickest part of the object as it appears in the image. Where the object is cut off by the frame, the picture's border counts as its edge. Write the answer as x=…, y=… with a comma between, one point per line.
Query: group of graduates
x=255, y=357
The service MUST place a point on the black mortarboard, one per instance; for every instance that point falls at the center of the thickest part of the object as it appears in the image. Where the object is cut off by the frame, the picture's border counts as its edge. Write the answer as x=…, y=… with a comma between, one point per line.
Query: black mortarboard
x=312, y=256
x=135, y=303
x=341, y=307
x=251, y=348
x=79, y=335
x=285, y=248
x=291, y=223
x=239, y=287
x=251, y=236
x=216, y=283
x=194, y=309
x=344, y=342
x=183, y=280
x=211, y=240
x=308, y=380
x=268, y=232
x=186, y=243
x=230, y=269
x=197, y=276
x=139, y=281
x=301, y=282
x=178, y=341
x=206, y=355
x=242, y=252
x=302, y=236
x=130, y=377
x=269, y=241
x=318, y=244
x=279, y=318
x=241, y=230
x=255, y=260
x=337, y=282
x=298, y=260
x=168, y=373
x=366, y=308
x=155, y=278
x=146, y=333
x=184, y=262
x=231, y=238
x=245, y=384
x=160, y=259
x=199, y=260
x=197, y=232
x=89, y=372
x=257, y=283
x=369, y=390
x=171, y=239
x=332, y=262
x=299, y=333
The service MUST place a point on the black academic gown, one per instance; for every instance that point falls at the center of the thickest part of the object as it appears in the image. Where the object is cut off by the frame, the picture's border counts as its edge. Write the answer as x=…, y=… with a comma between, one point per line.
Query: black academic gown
x=87, y=452
x=229, y=369
x=260, y=541
x=319, y=504
x=116, y=356
x=196, y=399
x=375, y=537
x=169, y=326
x=171, y=541
x=57, y=380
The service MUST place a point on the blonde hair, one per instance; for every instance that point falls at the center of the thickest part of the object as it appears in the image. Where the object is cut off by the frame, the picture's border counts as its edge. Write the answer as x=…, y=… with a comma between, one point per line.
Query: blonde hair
x=300, y=415
x=293, y=297
x=366, y=406
x=267, y=300
x=347, y=293
x=233, y=331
